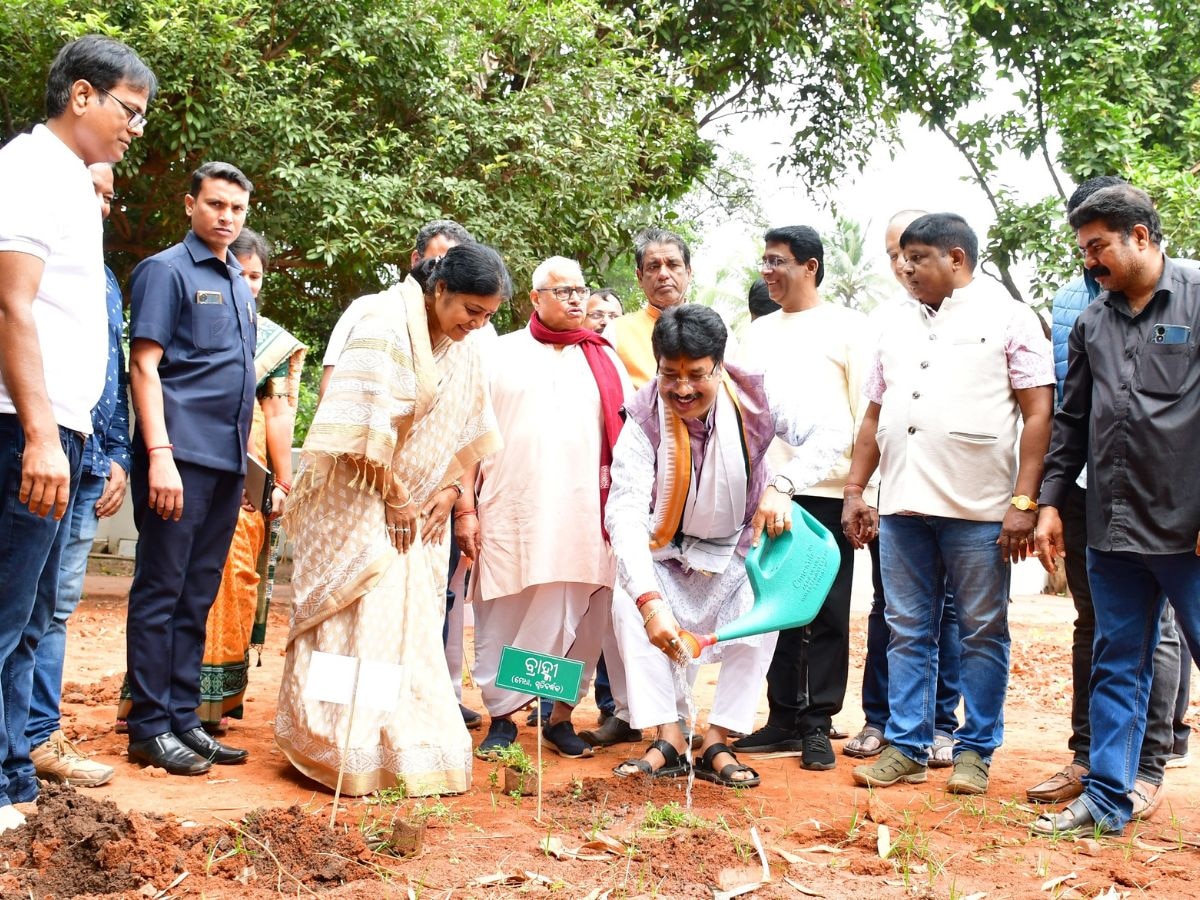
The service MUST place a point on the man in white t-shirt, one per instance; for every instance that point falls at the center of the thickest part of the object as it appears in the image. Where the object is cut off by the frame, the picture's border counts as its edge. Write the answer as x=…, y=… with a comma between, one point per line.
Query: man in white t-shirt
x=820, y=349
x=53, y=350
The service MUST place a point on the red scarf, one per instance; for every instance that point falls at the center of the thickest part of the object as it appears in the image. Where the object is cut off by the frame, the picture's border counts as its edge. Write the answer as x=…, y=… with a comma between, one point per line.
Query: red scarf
x=612, y=396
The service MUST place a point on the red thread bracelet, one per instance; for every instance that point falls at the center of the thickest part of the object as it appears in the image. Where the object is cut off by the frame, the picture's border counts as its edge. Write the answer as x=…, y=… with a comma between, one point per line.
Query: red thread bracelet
x=646, y=598
x=160, y=447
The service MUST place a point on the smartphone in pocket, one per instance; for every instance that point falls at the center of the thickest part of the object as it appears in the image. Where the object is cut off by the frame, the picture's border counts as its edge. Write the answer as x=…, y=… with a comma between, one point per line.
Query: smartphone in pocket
x=1162, y=333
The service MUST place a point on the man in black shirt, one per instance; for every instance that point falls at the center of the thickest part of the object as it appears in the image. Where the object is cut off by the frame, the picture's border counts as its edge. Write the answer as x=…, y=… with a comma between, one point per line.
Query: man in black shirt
x=1131, y=412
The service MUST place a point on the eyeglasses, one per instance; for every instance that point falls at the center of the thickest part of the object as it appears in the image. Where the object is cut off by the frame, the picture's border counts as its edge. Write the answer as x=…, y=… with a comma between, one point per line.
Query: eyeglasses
x=770, y=263
x=136, y=119
x=597, y=314
x=566, y=292
x=671, y=382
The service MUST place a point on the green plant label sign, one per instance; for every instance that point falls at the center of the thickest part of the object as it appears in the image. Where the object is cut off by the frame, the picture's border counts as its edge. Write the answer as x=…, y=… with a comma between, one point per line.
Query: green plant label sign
x=539, y=674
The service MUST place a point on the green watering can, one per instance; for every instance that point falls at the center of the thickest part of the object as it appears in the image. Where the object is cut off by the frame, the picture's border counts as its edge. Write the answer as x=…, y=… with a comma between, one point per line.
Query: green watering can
x=790, y=575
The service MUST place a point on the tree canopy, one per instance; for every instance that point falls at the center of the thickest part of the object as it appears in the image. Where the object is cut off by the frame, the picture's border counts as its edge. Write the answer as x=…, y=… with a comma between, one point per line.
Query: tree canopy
x=1088, y=88
x=538, y=126
x=563, y=126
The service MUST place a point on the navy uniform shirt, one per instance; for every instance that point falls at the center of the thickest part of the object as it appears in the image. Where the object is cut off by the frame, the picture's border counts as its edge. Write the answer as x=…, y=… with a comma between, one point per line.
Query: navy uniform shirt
x=199, y=310
x=1131, y=411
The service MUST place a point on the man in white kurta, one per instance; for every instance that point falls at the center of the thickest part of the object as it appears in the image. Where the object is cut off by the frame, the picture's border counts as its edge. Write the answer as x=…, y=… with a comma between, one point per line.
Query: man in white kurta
x=543, y=578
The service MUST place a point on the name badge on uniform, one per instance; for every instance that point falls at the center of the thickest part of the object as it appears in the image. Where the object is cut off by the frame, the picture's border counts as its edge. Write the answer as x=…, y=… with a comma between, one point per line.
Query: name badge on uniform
x=205, y=298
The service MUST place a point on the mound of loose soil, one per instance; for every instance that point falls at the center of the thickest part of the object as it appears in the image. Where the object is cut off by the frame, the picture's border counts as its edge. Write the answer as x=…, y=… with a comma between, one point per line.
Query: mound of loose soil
x=79, y=847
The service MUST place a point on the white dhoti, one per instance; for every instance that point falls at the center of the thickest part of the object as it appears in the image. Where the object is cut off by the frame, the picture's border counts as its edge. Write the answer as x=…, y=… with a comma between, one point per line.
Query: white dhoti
x=561, y=618
x=701, y=604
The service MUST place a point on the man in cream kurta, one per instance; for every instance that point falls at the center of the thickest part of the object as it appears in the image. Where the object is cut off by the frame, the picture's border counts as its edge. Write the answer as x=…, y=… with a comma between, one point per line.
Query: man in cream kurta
x=952, y=376
x=543, y=579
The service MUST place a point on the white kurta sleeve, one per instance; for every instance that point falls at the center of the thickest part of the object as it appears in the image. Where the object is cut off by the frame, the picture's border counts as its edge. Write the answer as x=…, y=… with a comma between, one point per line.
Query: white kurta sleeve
x=819, y=445
x=627, y=514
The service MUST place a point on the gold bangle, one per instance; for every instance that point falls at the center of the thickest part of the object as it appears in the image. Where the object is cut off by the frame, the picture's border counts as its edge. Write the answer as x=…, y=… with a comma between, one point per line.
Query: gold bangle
x=654, y=612
x=407, y=502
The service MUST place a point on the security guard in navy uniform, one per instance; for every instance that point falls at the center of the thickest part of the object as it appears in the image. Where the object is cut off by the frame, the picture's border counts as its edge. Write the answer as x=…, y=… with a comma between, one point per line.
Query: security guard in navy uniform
x=192, y=332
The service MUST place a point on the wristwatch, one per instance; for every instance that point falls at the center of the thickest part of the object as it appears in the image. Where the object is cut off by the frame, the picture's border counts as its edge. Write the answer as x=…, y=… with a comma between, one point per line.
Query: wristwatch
x=778, y=483
x=1023, y=502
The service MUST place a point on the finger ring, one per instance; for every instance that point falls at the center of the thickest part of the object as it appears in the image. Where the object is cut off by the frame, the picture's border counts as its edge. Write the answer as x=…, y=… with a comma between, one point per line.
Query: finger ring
x=674, y=642
x=405, y=530
x=391, y=528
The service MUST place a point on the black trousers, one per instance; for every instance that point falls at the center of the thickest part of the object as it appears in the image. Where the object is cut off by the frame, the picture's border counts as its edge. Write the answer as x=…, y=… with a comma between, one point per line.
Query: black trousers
x=806, y=682
x=175, y=580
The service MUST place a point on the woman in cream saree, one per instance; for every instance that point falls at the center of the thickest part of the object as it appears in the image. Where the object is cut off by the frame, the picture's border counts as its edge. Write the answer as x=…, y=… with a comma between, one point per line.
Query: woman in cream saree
x=406, y=412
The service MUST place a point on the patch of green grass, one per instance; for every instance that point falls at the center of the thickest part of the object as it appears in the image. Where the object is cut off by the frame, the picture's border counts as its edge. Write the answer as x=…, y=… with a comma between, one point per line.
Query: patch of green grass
x=669, y=816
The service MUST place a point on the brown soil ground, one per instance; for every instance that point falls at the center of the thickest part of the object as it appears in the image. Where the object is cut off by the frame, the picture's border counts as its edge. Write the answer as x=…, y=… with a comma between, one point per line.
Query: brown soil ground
x=262, y=830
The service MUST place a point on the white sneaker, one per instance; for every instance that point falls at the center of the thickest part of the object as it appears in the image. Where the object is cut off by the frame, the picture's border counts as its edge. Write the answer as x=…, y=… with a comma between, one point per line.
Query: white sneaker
x=1178, y=761
x=59, y=760
x=10, y=818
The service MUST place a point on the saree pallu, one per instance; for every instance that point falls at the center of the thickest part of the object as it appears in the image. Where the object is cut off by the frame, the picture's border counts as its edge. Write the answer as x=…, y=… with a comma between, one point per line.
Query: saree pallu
x=397, y=423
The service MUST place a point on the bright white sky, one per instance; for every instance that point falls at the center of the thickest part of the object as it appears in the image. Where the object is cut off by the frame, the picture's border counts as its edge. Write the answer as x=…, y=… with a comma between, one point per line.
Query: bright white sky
x=926, y=173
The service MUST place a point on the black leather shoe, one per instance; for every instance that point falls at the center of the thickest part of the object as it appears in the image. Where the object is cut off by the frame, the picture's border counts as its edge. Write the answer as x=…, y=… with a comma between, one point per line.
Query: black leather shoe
x=167, y=752
x=212, y=749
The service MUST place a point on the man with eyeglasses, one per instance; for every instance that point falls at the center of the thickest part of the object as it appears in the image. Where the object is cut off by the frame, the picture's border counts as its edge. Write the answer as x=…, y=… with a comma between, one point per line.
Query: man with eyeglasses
x=544, y=573
x=689, y=499
x=821, y=350
x=603, y=308
x=53, y=350
x=100, y=494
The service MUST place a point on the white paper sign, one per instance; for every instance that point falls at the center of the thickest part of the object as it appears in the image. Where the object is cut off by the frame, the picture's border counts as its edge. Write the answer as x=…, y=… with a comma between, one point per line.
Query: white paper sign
x=379, y=685
x=331, y=680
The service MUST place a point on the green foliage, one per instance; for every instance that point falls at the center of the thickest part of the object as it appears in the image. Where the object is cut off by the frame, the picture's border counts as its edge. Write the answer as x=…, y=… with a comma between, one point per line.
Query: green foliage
x=535, y=125
x=851, y=271
x=513, y=756
x=669, y=816
x=1086, y=89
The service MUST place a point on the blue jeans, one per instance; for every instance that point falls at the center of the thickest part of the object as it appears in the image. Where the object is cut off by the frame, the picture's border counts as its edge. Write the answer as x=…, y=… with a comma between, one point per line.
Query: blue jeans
x=80, y=524
x=875, y=667
x=30, y=550
x=1127, y=595
x=918, y=555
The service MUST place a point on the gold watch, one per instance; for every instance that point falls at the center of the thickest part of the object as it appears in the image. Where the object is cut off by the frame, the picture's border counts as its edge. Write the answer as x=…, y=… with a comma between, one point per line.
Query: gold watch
x=1024, y=502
